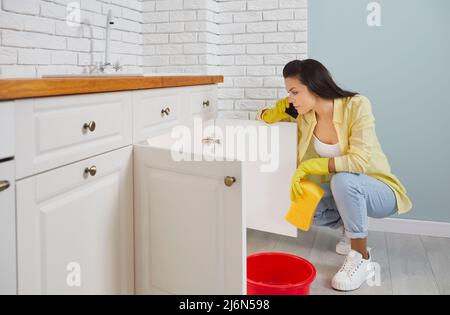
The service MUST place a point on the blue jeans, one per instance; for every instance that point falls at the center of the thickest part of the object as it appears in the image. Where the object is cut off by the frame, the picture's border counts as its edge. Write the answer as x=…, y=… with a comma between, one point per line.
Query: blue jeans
x=350, y=198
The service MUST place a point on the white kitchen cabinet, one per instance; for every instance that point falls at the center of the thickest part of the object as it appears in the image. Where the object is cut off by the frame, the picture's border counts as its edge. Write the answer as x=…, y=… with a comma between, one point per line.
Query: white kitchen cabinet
x=54, y=131
x=191, y=218
x=75, y=228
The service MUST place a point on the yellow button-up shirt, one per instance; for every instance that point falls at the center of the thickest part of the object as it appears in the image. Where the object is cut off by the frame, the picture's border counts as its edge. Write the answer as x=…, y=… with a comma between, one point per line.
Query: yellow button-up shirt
x=362, y=153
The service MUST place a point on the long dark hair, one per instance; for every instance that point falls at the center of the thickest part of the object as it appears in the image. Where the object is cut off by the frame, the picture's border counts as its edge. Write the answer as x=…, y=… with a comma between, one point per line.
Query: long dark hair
x=316, y=77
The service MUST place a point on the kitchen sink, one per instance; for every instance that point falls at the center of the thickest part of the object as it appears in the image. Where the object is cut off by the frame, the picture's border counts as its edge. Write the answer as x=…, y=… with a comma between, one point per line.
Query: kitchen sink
x=89, y=75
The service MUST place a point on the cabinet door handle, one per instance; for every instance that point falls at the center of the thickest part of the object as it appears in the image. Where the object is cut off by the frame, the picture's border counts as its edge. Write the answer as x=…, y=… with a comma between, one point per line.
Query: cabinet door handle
x=4, y=184
x=229, y=180
x=165, y=112
x=89, y=126
x=90, y=170
x=209, y=140
x=206, y=103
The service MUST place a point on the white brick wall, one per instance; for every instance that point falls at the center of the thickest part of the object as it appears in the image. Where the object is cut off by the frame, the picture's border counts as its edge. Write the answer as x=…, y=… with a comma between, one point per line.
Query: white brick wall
x=36, y=40
x=247, y=41
x=262, y=36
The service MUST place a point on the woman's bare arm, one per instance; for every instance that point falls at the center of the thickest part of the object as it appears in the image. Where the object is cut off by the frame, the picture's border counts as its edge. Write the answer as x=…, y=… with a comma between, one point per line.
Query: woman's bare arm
x=331, y=165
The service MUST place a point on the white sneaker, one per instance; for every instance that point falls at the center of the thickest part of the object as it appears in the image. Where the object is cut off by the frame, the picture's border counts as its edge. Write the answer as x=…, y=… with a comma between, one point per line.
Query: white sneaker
x=353, y=273
x=344, y=246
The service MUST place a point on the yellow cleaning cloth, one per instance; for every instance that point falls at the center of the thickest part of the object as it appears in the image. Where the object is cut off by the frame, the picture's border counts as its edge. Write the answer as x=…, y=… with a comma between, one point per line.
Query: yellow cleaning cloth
x=301, y=212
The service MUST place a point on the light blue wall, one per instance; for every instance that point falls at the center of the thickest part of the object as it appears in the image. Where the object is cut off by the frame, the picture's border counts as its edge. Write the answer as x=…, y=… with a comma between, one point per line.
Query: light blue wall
x=404, y=68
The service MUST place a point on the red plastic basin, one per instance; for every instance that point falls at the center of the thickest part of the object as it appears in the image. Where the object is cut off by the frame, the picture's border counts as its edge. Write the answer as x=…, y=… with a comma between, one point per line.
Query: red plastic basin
x=279, y=274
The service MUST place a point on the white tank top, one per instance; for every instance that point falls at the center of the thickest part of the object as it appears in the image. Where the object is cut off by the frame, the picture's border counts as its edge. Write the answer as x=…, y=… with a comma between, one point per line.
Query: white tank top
x=326, y=150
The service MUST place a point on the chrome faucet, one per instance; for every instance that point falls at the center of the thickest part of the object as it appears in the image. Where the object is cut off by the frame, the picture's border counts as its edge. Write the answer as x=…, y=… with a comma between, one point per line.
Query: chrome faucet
x=109, y=22
x=107, y=66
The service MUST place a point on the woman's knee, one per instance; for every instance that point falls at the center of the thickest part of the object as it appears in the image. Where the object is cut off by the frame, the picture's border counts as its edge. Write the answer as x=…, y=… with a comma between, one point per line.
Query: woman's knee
x=345, y=183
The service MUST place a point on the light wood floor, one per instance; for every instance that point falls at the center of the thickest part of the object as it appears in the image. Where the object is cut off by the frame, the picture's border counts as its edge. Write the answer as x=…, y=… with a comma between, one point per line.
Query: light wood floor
x=410, y=264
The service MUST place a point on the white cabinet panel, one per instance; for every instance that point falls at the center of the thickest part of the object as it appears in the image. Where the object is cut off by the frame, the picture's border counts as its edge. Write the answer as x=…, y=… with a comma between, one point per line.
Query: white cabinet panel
x=8, y=281
x=6, y=129
x=72, y=226
x=190, y=228
x=268, y=173
x=55, y=131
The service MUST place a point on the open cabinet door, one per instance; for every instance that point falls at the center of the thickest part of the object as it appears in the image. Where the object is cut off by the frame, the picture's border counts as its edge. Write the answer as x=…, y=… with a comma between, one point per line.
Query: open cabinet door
x=268, y=178
x=189, y=225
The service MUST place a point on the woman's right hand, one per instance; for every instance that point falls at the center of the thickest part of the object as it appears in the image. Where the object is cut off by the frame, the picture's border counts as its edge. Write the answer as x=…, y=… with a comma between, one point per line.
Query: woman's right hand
x=277, y=113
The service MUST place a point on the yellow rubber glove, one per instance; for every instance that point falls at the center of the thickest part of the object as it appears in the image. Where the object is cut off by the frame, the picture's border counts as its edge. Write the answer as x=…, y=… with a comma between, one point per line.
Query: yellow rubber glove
x=318, y=166
x=277, y=113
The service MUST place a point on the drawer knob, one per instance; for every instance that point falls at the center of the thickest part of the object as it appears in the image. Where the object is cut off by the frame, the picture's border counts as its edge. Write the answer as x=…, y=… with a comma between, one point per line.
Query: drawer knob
x=89, y=126
x=4, y=184
x=206, y=103
x=165, y=112
x=229, y=180
x=90, y=171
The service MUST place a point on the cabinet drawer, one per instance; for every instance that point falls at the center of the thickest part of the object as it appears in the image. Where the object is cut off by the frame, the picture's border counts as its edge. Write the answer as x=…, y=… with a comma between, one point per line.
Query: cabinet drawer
x=55, y=131
x=204, y=102
x=156, y=111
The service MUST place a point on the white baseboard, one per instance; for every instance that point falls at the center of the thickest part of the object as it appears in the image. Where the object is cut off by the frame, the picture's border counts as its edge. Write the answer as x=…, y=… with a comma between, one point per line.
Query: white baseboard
x=408, y=226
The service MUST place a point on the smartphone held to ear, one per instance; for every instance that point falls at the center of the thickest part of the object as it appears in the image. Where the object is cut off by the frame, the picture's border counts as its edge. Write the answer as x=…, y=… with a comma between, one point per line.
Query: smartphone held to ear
x=291, y=111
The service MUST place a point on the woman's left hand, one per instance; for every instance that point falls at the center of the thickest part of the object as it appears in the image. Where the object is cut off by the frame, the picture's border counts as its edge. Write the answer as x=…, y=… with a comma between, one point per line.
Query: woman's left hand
x=317, y=166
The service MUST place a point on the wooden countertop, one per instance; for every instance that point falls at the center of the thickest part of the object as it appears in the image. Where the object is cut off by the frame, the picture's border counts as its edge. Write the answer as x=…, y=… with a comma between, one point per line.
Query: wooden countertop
x=11, y=89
